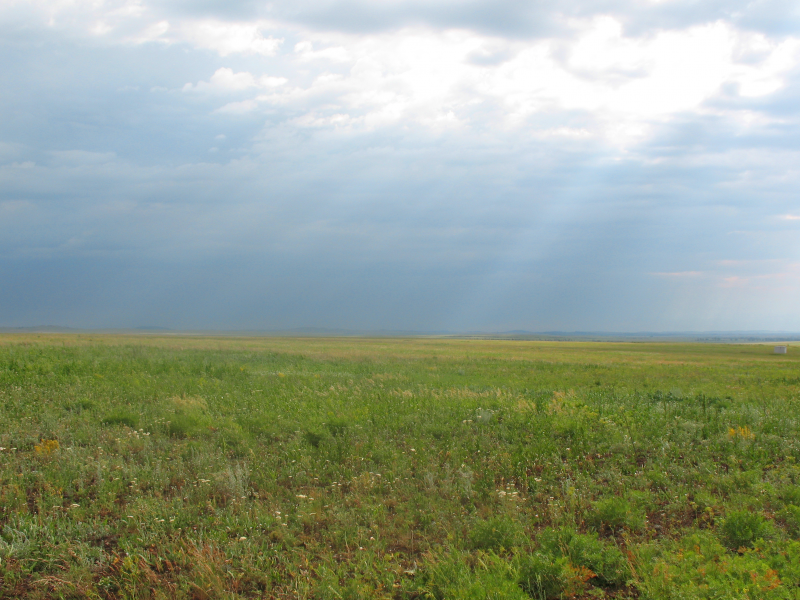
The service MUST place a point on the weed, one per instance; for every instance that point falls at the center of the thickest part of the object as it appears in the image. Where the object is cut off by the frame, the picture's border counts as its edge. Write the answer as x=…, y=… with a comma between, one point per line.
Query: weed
x=122, y=417
x=46, y=448
x=606, y=562
x=184, y=425
x=541, y=576
x=313, y=438
x=497, y=533
x=613, y=514
x=741, y=529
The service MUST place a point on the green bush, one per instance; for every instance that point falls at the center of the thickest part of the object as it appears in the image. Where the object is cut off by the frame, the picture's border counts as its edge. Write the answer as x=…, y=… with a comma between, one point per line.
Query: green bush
x=313, y=438
x=230, y=436
x=450, y=577
x=541, y=576
x=742, y=528
x=614, y=513
x=603, y=559
x=337, y=427
x=495, y=534
x=78, y=406
x=122, y=417
x=791, y=495
x=259, y=427
x=699, y=567
x=790, y=515
x=183, y=425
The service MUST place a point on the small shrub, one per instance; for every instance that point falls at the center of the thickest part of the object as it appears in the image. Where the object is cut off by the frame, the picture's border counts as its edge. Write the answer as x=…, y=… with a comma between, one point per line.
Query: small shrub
x=189, y=404
x=495, y=534
x=78, y=406
x=337, y=427
x=313, y=438
x=791, y=517
x=742, y=528
x=450, y=576
x=541, y=576
x=603, y=559
x=658, y=479
x=259, y=427
x=122, y=418
x=230, y=436
x=791, y=495
x=233, y=482
x=183, y=425
x=437, y=433
x=614, y=513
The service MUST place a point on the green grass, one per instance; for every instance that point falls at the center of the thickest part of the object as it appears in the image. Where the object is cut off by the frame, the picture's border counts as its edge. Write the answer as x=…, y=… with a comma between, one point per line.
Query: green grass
x=202, y=467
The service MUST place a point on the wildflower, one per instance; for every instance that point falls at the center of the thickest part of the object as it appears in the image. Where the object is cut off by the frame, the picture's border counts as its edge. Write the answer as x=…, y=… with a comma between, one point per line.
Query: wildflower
x=46, y=447
x=743, y=432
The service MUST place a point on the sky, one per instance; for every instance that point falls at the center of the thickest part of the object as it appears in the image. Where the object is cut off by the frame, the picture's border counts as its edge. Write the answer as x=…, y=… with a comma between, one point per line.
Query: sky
x=410, y=165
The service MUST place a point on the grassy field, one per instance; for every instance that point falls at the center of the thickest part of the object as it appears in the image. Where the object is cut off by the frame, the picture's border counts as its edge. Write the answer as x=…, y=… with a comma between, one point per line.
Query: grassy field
x=201, y=467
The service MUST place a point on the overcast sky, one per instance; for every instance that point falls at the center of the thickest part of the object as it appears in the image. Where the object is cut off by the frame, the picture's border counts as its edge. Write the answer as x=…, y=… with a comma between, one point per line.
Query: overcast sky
x=604, y=165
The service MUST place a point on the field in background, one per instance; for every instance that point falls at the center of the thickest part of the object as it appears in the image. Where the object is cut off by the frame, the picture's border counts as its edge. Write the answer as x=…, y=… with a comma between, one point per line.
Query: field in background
x=203, y=467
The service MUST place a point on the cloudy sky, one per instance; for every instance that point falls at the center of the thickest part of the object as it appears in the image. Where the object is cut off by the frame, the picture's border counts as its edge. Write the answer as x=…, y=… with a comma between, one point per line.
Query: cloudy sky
x=604, y=165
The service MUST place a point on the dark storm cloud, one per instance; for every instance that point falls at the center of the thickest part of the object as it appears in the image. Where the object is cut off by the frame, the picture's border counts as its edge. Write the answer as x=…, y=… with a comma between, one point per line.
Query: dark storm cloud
x=355, y=245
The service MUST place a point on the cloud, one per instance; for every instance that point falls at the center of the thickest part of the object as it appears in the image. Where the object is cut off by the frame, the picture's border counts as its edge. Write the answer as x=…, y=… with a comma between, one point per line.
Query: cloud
x=82, y=157
x=228, y=38
x=224, y=80
x=626, y=84
x=681, y=274
x=305, y=51
x=244, y=106
x=400, y=164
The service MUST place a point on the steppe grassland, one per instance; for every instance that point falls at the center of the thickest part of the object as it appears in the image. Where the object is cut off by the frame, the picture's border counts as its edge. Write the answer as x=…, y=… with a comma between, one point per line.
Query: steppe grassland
x=206, y=467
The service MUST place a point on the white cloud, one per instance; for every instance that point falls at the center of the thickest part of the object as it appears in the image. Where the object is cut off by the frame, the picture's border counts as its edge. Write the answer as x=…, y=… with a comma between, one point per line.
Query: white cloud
x=225, y=80
x=228, y=38
x=151, y=33
x=765, y=76
x=625, y=83
x=223, y=37
x=459, y=77
x=266, y=81
x=305, y=51
x=242, y=107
